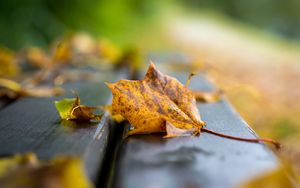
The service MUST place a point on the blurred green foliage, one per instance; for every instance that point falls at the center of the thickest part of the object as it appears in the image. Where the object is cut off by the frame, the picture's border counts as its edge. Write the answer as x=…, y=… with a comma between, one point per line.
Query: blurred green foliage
x=277, y=16
x=37, y=22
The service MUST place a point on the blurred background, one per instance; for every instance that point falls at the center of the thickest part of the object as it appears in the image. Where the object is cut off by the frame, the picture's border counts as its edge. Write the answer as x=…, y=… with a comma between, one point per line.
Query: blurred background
x=250, y=49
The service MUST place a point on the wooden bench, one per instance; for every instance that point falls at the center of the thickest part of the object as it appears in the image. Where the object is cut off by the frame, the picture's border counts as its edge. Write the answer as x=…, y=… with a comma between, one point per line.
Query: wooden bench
x=146, y=161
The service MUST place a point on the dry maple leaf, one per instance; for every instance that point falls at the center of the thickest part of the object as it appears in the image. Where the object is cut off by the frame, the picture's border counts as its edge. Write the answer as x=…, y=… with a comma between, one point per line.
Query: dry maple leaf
x=160, y=103
x=156, y=102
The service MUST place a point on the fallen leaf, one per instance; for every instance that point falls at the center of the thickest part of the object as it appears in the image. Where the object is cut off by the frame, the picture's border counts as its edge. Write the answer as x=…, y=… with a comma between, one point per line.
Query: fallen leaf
x=71, y=109
x=63, y=52
x=208, y=97
x=13, y=89
x=160, y=103
x=37, y=57
x=8, y=65
x=64, y=107
x=10, y=84
x=43, y=91
x=27, y=171
x=11, y=163
x=158, y=99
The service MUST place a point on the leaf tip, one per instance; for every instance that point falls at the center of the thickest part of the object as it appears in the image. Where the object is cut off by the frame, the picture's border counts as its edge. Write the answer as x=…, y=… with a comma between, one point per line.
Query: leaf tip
x=152, y=65
x=151, y=62
x=109, y=85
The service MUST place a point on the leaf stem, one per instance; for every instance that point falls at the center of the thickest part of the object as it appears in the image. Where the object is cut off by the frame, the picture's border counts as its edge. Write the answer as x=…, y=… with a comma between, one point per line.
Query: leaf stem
x=254, y=140
x=187, y=83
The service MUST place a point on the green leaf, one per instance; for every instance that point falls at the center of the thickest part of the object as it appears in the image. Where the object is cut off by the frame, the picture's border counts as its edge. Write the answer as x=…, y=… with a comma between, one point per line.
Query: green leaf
x=65, y=106
x=71, y=109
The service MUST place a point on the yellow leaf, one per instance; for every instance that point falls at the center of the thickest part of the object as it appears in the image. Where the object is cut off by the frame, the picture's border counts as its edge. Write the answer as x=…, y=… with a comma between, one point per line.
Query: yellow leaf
x=27, y=171
x=282, y=176
x=10, y=84
x=8, y=66
x=37, y=57
x=14, y=90
x=208, y=97
x=160, y=103
x=149, y=103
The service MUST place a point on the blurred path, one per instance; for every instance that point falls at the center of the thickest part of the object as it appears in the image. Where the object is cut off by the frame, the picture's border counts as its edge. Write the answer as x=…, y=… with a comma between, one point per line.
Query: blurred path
x=259, y=72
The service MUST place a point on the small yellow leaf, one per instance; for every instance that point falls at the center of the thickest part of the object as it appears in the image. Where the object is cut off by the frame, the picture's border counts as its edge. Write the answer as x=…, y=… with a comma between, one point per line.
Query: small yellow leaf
x=208, y=97
x=10, y=84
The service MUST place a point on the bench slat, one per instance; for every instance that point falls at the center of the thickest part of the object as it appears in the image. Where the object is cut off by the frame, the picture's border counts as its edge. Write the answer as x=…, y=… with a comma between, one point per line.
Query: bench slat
x=206, y=161
x=33, y=125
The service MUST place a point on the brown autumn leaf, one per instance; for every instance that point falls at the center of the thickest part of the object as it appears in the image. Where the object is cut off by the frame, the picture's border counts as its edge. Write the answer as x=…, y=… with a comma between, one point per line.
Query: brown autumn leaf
x=158, y=103
x=71, y=109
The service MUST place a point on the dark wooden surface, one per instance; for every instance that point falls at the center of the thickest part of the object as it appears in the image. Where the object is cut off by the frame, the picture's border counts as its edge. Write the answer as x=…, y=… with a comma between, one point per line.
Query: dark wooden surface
x=33, y=125
x=146, y=161
x=207, y=161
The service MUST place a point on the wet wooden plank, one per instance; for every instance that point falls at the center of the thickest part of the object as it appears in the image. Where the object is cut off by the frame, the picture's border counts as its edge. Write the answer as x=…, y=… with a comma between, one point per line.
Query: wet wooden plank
x=33, y=125
x=206, y=161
